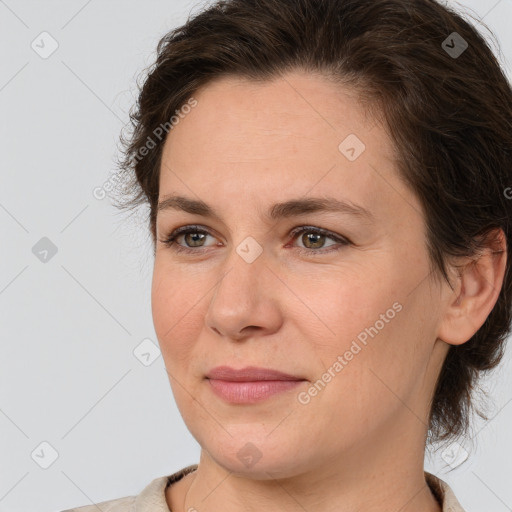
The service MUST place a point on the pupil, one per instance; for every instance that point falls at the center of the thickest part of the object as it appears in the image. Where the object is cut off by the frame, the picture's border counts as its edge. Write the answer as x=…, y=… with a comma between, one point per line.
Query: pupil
x=314, y=238
x=197, y=236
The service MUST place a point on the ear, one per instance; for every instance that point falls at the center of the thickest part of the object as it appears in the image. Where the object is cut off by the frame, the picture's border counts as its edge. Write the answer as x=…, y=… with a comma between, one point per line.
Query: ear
x=476, y=291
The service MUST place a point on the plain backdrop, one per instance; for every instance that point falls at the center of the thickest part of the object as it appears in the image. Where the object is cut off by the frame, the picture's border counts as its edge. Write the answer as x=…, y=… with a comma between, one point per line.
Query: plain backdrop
x=84, y=416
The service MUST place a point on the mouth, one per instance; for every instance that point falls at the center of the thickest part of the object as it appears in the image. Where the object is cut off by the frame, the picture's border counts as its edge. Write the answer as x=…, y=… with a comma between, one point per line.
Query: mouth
x=250, y=384
x=249, y=374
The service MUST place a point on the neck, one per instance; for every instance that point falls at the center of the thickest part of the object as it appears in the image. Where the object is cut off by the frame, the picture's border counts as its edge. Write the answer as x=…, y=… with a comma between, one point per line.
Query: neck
x=377, y=477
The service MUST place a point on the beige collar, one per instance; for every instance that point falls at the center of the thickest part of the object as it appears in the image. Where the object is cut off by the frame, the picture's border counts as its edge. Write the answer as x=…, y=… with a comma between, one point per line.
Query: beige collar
x=152, y=497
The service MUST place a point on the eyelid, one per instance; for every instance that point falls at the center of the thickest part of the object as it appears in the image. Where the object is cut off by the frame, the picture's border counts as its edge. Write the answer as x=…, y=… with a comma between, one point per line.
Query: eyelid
x=342, y=241
x=195, y=228
x=321, y=231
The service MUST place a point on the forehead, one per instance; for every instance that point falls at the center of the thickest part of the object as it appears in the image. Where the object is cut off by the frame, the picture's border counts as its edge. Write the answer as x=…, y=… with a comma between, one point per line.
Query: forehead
x=279, y=139
x=244, y=114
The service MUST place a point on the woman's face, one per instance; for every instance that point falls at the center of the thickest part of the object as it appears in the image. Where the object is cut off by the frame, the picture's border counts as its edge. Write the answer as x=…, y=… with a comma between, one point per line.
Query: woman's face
x=351, y=312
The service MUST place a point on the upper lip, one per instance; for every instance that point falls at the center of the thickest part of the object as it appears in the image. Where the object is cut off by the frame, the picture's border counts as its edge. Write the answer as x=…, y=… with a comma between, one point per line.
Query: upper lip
x=247, y=374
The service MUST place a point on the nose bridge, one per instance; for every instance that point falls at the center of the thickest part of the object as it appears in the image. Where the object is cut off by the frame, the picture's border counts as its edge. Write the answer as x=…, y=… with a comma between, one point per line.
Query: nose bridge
x=243, y=274
x=242, y=297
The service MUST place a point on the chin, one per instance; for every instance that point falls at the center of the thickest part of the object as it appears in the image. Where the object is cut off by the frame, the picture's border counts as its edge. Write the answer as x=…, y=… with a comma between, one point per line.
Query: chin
x=257, y=455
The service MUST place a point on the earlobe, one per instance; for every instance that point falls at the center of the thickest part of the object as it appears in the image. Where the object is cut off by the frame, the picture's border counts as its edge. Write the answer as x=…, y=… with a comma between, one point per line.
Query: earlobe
x=477, y=289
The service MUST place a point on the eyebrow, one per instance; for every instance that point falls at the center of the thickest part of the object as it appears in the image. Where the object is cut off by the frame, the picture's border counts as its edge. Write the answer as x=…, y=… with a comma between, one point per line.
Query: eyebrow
x=291, y=208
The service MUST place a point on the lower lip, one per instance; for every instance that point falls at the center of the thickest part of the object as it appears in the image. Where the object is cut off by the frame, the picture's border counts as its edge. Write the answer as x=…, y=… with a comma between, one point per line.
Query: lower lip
x=250, y=392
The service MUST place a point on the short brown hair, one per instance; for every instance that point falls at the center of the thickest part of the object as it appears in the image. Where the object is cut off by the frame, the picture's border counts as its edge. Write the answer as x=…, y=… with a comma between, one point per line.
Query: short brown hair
x=449, y=117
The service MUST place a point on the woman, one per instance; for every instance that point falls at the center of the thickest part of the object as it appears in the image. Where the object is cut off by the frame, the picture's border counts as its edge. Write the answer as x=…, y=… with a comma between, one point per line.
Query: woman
x=327, y=189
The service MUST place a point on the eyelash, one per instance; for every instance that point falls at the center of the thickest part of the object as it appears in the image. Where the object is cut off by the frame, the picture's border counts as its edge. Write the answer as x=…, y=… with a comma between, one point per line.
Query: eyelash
x=343, y=242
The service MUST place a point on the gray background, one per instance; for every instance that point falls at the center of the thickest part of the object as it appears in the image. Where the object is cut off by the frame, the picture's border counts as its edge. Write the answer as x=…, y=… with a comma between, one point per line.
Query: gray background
x=71, y=327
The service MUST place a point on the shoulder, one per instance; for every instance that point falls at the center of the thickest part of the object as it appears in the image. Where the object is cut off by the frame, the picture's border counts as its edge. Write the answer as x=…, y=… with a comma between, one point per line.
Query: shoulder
x=150, y=499
x=126, y=504
x=444, y=493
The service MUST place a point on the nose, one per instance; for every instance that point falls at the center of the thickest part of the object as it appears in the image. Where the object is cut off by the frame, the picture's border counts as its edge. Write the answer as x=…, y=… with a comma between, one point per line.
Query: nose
x=246, y=300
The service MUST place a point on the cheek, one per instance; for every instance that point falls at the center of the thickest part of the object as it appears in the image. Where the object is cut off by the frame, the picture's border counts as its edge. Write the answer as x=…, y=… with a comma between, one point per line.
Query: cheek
x=369, y=323
x=175, y=307
x=342, y=306
x=384, y=349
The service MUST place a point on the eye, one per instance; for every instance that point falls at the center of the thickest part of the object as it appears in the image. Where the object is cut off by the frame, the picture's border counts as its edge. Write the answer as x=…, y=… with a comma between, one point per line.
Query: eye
x=193, y=236
x=313, y=239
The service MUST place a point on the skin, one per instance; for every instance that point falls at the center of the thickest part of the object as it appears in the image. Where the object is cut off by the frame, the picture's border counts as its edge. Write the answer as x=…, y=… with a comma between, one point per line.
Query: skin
x=359, y=443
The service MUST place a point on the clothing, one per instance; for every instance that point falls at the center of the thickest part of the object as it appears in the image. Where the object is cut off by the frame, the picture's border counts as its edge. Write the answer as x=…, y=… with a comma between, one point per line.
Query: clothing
x=152, y=497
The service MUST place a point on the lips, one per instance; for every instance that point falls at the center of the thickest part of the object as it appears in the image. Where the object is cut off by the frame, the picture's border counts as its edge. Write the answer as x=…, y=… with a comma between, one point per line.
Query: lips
x=248, y=374
x=251, y=384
